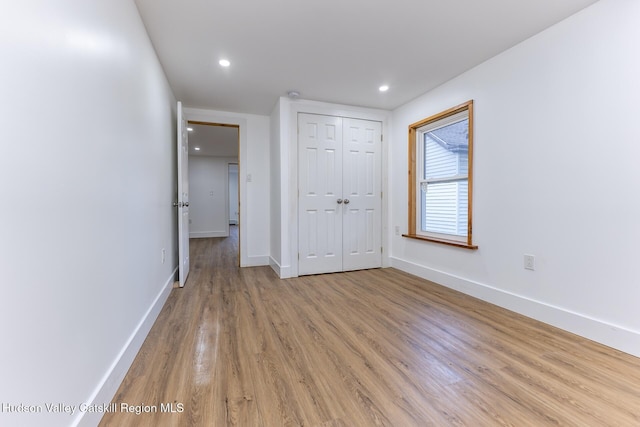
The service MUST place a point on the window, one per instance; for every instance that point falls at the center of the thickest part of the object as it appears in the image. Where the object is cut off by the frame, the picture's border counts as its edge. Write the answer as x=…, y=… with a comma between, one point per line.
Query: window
x=440, y=180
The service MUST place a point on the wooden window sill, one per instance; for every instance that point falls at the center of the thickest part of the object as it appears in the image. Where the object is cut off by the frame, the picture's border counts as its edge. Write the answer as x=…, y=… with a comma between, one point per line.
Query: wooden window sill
x=442, y=241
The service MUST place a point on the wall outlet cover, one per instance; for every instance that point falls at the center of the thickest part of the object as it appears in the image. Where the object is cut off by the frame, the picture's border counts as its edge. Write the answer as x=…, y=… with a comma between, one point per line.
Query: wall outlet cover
x=529, y=262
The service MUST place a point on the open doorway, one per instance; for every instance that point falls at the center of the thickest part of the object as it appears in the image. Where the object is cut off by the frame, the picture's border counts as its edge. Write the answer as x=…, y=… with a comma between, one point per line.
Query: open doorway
x=213, y=147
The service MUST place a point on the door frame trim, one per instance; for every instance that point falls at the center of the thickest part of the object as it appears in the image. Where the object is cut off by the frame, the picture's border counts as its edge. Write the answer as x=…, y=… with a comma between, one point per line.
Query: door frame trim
x=216, y=118
x=314, y=107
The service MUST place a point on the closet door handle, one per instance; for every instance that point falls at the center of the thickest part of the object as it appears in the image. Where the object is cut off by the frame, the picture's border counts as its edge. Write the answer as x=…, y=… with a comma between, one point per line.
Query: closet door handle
x=339, y=201
x=346, y=201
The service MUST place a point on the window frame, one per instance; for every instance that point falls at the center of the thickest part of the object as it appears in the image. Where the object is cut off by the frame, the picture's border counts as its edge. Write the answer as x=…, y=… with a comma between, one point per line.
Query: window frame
x=415, y=179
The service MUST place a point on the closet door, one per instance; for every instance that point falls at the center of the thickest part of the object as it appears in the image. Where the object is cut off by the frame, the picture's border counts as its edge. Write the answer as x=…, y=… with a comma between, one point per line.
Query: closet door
x=362, y=194
x=340, y=199
x=320, y=194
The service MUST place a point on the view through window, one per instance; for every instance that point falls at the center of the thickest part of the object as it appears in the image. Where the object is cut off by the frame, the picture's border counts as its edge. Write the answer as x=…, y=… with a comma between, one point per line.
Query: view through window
x=440, y=149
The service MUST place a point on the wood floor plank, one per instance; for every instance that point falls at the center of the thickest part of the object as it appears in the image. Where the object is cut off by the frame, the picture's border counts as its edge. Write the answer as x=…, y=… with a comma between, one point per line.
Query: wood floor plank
x=240, y=347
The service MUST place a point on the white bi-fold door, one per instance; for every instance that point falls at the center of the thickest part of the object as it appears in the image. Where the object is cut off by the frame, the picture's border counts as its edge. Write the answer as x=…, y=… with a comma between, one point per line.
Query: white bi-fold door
x=340, y=194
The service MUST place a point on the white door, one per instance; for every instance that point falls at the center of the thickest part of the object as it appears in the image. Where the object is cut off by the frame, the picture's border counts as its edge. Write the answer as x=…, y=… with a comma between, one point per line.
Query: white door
x=362, y=194
x=320, y=194
x=340, y=199
x=183, y=197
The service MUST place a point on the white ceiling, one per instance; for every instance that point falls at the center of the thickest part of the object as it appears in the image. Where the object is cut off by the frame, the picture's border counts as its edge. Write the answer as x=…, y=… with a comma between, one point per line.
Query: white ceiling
x=338, y=51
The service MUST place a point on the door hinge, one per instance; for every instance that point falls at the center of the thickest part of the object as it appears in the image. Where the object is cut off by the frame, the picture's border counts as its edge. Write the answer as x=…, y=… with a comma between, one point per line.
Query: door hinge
x=380, y=137
x=381, y=249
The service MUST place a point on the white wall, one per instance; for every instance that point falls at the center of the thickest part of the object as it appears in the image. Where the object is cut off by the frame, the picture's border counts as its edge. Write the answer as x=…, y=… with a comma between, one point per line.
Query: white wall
x=87, y=167
x=254, y=195
x=555, y=174
x=275, y=259
x=234, y=210
x=209, y=196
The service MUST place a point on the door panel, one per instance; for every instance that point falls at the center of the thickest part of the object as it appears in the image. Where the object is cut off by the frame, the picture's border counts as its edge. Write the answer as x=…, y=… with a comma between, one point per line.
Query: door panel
x=320, y=186
x=363, y=179
x=339, y=159
x=369, y=237
x=183, y=196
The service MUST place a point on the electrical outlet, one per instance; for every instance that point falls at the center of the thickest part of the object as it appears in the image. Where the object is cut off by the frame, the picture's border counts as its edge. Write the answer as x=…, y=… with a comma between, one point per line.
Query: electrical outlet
x=529, y=262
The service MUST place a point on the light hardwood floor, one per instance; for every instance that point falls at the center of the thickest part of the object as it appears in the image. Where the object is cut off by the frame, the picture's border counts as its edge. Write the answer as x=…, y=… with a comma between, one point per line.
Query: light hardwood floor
x=240, y=347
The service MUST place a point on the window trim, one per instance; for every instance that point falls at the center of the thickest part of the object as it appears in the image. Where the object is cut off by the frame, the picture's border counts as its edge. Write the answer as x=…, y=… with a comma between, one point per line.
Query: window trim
x=413, y=177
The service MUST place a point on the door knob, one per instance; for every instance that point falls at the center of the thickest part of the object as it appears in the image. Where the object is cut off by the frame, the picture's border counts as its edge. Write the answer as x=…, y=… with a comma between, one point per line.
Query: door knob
x=177, y=204
x=339, y=201
x=186, y=204
x=346, y=201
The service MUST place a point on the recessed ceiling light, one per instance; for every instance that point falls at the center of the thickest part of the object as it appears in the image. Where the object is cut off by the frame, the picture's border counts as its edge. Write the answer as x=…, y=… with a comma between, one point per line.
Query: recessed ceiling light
x=224, y=62
x=383, y=88
x=196, y=148
x=190, y=129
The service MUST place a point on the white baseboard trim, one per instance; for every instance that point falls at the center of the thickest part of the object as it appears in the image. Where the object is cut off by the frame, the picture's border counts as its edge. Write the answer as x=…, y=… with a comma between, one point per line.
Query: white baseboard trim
x=283, y=272
x=207, y=234
x=256, y=261
x=275, y=266
x=108, y=386
x=611, y=335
